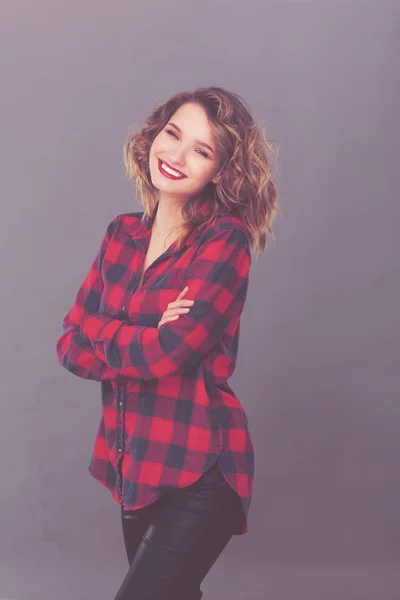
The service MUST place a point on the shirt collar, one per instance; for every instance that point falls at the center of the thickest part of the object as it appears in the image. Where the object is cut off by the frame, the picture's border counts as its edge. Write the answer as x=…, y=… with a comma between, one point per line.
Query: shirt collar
x=140, y=229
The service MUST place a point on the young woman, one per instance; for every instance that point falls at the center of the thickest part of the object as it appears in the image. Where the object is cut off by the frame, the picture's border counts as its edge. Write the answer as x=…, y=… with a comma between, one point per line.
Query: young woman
x=157, y=320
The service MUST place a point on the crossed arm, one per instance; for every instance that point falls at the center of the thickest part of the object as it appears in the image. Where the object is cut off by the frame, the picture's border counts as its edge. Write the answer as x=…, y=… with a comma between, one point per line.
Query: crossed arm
x=97, y=346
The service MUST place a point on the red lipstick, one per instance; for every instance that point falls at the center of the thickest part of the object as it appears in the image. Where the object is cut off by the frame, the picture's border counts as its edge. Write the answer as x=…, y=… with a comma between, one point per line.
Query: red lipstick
x=169, y=175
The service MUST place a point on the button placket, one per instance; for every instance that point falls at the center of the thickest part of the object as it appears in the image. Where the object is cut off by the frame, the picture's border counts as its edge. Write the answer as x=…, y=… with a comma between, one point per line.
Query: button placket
x=120, y=397
x=120, y=426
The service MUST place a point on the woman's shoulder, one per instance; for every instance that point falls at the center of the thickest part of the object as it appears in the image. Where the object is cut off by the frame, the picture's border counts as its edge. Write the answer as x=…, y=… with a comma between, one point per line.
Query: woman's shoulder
x=227, y=226
x=129, y=219
x=125, y=223
x=230, y=222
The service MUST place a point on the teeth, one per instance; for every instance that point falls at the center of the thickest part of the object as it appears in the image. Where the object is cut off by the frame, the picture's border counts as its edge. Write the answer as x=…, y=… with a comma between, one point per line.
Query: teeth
x=171, y=171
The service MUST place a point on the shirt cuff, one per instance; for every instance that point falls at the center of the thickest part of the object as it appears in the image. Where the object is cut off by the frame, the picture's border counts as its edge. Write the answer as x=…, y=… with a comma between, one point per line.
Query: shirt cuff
x=99, y=328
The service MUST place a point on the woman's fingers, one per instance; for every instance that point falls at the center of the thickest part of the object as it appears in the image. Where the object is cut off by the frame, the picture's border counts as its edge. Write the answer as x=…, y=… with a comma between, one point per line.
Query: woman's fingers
x=180, y=301
x=166, y=320
x=172, y=314
x=183, y=292
x=176, y=310
x=179, y=306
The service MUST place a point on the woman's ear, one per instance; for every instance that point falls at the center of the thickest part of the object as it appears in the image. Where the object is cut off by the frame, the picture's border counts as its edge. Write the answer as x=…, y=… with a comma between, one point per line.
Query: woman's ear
x=217, y=177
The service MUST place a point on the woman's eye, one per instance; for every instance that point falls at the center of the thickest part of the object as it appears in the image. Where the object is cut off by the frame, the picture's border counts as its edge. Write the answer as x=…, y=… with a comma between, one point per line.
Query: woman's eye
x=170, y=132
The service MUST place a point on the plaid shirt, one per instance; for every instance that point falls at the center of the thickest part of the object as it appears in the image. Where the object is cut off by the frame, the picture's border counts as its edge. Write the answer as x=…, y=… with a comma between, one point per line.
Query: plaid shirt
x=168, y=412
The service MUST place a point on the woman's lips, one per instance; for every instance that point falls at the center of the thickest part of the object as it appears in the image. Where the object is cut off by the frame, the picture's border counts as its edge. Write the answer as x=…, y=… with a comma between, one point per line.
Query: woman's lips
x=166, y=174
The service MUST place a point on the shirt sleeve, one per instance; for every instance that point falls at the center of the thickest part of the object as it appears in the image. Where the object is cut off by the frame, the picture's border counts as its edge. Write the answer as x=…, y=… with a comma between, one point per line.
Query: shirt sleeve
x=218, y=280
x=73, y=352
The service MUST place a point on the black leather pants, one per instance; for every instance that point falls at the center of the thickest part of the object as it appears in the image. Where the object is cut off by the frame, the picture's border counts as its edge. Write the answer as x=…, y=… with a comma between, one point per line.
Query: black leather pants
x=173, y=543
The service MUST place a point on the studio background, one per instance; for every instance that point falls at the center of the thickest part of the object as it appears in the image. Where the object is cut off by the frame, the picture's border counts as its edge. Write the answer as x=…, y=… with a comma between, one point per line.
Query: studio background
x=318, y=364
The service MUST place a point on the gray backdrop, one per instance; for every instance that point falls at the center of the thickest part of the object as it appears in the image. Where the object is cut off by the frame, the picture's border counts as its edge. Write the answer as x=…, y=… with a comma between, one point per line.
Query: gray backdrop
x=318, y=368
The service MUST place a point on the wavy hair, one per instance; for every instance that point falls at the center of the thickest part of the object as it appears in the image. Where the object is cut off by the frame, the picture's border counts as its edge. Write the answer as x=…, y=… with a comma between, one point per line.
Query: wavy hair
x=245, y=188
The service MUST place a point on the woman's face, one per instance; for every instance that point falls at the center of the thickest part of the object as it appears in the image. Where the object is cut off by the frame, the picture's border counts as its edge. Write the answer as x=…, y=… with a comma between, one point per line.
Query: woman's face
x=180, y=146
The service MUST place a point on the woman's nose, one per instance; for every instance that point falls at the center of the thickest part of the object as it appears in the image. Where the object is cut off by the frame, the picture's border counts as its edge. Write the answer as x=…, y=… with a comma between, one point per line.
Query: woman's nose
x=177, y=157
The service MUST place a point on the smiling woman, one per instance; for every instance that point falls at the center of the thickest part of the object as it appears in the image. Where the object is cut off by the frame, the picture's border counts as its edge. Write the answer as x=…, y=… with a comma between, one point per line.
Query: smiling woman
x=173, y=444
x=181, y=147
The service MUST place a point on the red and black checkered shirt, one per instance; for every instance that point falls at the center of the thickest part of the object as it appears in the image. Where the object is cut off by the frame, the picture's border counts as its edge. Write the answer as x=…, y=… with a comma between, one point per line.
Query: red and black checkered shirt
x=168, y=413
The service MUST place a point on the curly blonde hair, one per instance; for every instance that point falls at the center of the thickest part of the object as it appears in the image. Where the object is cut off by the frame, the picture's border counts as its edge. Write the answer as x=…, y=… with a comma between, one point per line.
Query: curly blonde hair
x=245, y=189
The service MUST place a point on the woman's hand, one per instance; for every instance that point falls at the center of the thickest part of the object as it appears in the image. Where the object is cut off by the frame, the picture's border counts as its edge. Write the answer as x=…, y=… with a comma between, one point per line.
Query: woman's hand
x=174, y=309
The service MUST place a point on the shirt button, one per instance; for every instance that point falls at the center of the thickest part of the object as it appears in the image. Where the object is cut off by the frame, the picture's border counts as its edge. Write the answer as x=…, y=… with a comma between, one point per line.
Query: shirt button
x=120, y=403
x=123, y=308
x=119, y=449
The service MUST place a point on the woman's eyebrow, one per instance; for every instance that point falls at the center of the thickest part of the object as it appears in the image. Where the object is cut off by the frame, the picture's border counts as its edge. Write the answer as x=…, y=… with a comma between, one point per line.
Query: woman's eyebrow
x=197, y=141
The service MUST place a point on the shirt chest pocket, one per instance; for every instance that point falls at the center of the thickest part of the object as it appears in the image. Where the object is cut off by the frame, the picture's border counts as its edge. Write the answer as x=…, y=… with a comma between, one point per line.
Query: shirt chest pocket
x=148, y=305
x=165, y=297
